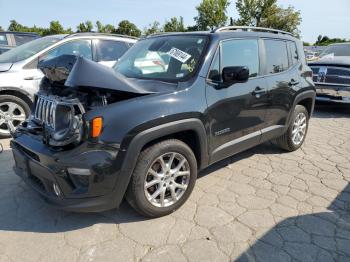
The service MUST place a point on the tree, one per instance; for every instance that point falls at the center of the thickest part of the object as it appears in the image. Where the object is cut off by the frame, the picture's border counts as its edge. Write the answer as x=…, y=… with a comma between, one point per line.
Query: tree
x=108, y=28
x=14, y=26
x=125, y=27
x=175, y=25
x=266, y=13
x=152, y=28
x=1, y=30
x=56, y=28
x=286, y=19
x=211, y=14
x=325, y=40
x=85, y=27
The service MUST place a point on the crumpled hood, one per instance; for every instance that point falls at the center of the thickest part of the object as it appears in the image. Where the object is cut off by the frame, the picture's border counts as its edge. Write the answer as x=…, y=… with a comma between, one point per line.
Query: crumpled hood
x=5, y=67
x=332, y=60
x=73, y=71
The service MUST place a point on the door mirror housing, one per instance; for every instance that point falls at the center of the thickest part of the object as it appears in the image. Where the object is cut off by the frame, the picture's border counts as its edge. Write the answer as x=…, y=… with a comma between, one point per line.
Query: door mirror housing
x=235, y=74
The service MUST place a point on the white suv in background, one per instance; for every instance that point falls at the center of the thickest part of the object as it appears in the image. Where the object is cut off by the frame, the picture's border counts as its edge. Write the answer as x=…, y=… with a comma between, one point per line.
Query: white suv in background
x=20, y=77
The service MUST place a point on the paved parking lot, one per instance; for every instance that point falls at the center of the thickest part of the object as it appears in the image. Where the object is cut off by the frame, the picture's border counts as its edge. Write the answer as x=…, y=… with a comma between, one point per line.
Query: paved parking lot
x=260, y=205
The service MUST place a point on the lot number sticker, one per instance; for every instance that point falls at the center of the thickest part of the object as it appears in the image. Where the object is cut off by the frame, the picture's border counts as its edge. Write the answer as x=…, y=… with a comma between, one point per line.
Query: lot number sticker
x=179, y=55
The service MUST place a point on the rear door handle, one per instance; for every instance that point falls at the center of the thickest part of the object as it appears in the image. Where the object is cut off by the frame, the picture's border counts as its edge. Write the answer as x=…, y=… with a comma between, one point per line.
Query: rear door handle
x=258, y=91
x=293, y=82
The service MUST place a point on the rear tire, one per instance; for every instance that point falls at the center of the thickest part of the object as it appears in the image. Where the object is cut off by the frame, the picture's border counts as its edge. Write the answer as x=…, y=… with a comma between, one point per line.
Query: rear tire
x=16, y=111
x=163, y=179
x=294, y=137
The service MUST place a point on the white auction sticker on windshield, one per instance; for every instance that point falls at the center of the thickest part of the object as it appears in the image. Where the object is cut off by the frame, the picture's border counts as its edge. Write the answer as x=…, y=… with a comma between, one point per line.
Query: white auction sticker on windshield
x=179, y=55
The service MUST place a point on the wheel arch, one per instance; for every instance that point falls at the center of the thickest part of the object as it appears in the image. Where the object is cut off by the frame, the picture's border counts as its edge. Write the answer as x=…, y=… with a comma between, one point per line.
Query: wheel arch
x=306, y=99
x=25, y=96
x=177, y=129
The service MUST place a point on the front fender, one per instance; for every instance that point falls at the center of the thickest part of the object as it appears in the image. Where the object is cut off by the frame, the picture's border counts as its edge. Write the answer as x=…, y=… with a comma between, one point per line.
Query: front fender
x=127, y=158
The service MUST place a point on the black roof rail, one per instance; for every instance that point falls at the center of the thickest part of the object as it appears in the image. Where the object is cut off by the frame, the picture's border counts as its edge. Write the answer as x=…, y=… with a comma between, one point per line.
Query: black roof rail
x=250, y=28
x=101, y=34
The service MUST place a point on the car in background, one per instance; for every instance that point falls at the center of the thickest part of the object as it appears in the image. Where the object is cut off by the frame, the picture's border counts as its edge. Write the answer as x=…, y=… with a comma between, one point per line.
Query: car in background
x=20, y=76
x=331, y=74
x=9, y=40
x=311, y=56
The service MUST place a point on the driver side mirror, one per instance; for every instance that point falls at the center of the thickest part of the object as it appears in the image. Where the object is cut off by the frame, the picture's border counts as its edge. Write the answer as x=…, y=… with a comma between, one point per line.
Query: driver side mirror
x=235, y=74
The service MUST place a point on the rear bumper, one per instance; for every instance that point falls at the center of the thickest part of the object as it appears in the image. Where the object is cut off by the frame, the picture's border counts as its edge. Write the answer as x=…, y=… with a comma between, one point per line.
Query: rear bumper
x=48, y=174
x=332, y=93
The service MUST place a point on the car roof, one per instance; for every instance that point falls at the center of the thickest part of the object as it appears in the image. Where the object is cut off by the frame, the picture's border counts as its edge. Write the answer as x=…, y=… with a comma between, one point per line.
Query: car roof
x=94, y=34
x=236, y=31
x=22, y=33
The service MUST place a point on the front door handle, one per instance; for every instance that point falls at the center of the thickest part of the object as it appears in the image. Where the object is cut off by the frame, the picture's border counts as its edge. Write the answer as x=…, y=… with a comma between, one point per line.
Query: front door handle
x=293, y=82
x=258, y=91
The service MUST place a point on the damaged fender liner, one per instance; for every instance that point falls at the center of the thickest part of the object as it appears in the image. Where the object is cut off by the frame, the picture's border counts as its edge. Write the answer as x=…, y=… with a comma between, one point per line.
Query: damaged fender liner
x=76, y=71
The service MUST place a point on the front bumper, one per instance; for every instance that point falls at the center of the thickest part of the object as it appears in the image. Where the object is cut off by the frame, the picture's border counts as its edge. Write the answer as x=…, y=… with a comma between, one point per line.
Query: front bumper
x=49, y=173
x=332, y=93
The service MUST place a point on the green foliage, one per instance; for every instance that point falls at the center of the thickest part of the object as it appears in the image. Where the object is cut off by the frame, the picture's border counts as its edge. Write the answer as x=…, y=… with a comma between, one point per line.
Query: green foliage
x=152, y=29
x=85, y=27
x=211, y=14
x=54, y=28
x=325, y=40
x=266, y=13
x=125, y=27
x=192, y=28
x=306, y=44
x=175, y=25
x=108, y=28
x=1, y=30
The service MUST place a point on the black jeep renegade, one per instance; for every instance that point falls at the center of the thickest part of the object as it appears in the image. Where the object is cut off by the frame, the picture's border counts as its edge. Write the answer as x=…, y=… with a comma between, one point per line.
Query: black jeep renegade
x=173, y=105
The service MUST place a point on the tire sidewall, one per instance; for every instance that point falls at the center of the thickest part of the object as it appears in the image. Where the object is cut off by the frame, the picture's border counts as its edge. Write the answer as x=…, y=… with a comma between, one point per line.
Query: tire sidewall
x=143, y=166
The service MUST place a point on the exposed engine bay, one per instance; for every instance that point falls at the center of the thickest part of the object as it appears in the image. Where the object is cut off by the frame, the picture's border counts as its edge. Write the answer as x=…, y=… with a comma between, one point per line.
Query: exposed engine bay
x=72, y=86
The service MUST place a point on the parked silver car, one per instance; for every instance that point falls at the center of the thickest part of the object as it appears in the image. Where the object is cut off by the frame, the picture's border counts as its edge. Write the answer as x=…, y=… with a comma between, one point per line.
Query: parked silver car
x=20, y=77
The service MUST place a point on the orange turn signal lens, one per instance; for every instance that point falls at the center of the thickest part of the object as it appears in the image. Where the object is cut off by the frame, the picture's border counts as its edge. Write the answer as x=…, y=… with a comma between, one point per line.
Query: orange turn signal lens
x=96, y=127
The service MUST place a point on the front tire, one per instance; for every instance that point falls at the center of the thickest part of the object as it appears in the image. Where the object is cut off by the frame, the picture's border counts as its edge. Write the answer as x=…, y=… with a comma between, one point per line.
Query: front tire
x=13, y=111
x=294, y=137
x=163, y=179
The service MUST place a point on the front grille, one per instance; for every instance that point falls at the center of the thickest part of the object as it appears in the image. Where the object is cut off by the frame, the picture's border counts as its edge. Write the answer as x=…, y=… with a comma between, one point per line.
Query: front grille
x=331, y=75
x=45, y=111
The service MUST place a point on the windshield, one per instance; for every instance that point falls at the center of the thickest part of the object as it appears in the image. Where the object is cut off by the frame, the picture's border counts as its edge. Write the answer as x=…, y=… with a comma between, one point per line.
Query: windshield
x=27, y=50
x=167, y=58
x=337, y=50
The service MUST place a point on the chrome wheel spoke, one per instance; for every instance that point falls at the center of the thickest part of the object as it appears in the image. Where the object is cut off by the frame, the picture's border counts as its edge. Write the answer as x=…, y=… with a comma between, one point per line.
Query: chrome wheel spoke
x=19, y=117
x=162, y=198
x=177, y=185
x=2, y=121
x=173, y=193
x=10, y=125
x=181, y=173
x=152, y=183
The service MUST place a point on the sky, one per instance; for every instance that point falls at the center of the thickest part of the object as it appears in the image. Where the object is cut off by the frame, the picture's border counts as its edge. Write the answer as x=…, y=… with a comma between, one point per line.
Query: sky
x=325, y=17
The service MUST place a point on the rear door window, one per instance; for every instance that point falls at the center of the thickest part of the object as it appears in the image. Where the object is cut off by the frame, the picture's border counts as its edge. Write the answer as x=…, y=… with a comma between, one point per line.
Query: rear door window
x=109, y=50
x=276, y=56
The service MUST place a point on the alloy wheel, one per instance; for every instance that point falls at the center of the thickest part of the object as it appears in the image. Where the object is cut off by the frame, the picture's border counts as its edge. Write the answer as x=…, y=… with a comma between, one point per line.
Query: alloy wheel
x=299, y=128
x=11, y=115
x=167, y=179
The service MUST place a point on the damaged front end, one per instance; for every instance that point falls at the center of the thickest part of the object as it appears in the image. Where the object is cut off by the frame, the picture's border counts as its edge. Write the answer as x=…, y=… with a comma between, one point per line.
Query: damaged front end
x=71, y=87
